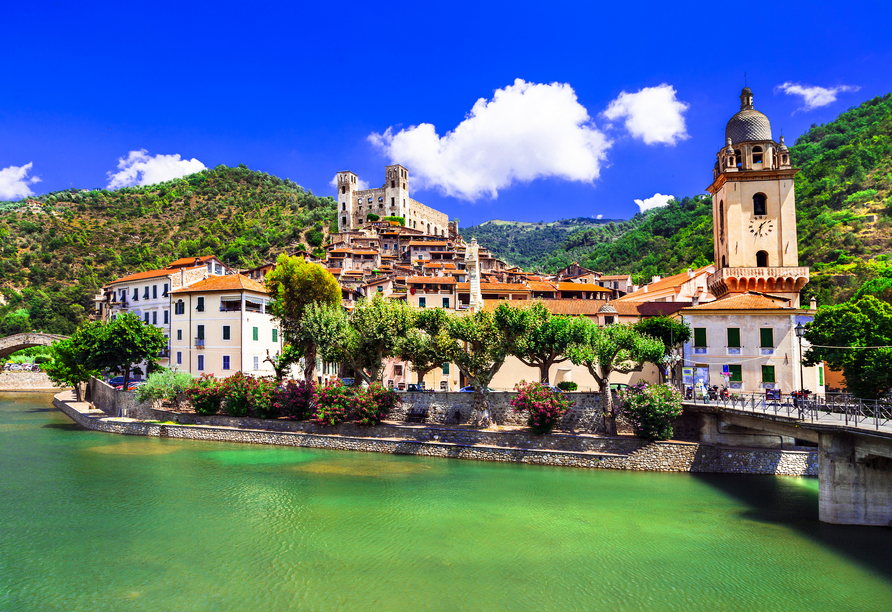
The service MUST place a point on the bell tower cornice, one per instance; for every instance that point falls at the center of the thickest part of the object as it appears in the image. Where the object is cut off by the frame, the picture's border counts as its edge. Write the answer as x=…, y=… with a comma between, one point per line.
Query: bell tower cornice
x=753, y=175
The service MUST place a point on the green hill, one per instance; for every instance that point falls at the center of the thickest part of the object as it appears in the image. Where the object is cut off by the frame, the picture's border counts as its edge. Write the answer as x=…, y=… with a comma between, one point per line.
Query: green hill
x=58, y=249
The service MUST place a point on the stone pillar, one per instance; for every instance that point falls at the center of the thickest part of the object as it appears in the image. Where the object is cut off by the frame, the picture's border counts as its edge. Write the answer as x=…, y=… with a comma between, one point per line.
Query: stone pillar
x=855, y=483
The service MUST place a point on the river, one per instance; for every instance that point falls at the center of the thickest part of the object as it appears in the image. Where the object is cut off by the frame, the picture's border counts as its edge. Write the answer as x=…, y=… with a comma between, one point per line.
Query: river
x=92, y=521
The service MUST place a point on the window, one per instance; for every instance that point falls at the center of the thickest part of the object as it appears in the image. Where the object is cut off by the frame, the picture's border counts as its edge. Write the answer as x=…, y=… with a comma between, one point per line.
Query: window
x=733, y=337
x=381, y=199
x=200, y=332
x=766, y=334
x=179, y=308
x=256, y=335
x=256, y=362
x=135, y=294
x=166, y=317
x=145, y=317
x=145, y=293
x=275, y=335
x=721, y=221
x=123, y=295
x=164, y=292
x=759, y=207
x=608, y=320
x=155, y=318
x=736, y=373
x=700, y=336
x=768, y=374
x=392, y=184
x=179, y=334
x=199, y=304
x=179, y=358
x=422, y=302
x=762, y=259
x=201, y=363
x=445, y=369
x=225, y=362
x=154, y=292
x=398, y=370
x=757, y=155
x=218, y=269
x=227, y=332
x=446, y=302
x=393, y=201
x=380, y=289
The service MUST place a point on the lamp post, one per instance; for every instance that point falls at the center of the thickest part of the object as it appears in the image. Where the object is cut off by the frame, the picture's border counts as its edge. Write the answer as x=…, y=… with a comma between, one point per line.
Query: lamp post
x=800, y=331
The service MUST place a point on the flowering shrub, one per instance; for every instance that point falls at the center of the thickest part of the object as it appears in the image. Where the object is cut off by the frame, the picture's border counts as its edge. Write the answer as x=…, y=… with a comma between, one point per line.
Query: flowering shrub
x=651, y=409
x=371, y=405
x=332, y=403
x=261, y=395
x=544, y=406
x=295, y=399
x=205, y=394
x=567, y=385
x=236, y=390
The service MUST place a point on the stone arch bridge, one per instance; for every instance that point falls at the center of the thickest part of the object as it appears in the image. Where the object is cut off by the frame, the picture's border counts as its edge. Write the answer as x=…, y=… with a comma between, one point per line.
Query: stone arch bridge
x=17, y=342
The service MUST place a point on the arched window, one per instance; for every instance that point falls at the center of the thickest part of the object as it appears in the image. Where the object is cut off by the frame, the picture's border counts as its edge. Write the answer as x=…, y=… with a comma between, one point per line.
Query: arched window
x=344, y=221
x=343, y=189
x=724, y=264
x=392, y=184
x=762, y=259
x=759, y=207
x=737, y=161
x=721, y=221
x=179, y=308
x=757, y=155
x=344, y=206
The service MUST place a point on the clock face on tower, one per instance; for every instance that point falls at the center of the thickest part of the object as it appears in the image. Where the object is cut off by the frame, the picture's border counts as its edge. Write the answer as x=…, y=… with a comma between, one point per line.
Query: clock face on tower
x=761, y=226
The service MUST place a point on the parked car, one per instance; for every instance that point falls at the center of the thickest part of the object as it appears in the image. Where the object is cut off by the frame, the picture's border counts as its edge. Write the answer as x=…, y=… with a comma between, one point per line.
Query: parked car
x=416, y=388
x=470, y=389
x=117, y=381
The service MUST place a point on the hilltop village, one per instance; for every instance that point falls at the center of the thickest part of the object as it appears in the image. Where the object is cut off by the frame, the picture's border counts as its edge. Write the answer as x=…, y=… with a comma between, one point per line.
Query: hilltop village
x=743, y=309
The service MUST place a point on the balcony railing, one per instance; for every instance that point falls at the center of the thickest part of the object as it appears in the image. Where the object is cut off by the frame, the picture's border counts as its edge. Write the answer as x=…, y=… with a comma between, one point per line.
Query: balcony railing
x=199, y=343
x=164, y=354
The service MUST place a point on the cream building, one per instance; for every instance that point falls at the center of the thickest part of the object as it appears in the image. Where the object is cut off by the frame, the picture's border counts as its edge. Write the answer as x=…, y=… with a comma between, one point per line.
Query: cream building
x=221, y=326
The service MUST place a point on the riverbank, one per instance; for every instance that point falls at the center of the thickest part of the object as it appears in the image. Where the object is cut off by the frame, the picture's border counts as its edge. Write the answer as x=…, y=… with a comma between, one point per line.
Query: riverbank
x=581, y=450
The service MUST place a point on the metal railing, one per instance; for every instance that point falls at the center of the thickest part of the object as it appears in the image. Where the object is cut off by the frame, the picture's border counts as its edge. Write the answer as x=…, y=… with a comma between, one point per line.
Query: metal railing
x=199, y=343
x=843, y=408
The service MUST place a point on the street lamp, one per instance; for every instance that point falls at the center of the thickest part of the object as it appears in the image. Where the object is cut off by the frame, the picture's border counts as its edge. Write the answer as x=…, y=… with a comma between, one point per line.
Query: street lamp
x=800, y=331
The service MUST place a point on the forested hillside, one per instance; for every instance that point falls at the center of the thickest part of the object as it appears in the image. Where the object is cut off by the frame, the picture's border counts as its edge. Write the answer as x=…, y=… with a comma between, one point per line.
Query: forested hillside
x=844, y=208
x=58, y=249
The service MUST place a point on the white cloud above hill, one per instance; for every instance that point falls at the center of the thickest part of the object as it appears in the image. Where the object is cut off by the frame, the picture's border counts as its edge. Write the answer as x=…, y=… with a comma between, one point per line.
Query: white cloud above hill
x=812, y=95
x=140, y=168
x=15, y=182
x=653, y=114
x=655, y=201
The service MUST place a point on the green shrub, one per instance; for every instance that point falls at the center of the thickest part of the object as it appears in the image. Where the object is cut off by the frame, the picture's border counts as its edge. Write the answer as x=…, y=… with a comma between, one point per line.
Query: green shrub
x=400, y=220
x=372, y=217
x=651, y=409
x=332, y=403
x=164, y=385
x=205, y=394
x=567, y=385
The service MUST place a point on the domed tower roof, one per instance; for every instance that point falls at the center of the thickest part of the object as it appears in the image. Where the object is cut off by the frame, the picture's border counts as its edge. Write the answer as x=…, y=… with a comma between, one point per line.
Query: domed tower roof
x=748, y=124
x=607, y=308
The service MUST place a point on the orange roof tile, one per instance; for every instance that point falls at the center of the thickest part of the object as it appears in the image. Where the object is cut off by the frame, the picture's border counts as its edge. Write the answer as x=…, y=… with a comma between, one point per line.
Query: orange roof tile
x=432, y=280
x=616, y=277
x=143, y=275
x=188, y=261
x=230, y=282
x=581, y=287
x=542, y=286
x=427, y=243
x=666, y=283
x=750, y=300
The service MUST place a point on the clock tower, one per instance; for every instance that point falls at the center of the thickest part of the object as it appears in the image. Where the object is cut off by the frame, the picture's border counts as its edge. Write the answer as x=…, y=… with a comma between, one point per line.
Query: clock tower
x=754, y=211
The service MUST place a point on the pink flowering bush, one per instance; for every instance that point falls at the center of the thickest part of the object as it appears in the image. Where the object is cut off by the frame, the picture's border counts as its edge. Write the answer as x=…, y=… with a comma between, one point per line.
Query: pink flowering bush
x=333, y=402
x=205, y=394
x=544, y=407
x=372, y=405
x=236, y=390
x=261, y=395
x=651, y=409
x=294, y=399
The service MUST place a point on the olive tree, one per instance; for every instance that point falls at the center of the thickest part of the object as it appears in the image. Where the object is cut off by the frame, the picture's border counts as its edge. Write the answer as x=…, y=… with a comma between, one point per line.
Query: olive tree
x=615, y=348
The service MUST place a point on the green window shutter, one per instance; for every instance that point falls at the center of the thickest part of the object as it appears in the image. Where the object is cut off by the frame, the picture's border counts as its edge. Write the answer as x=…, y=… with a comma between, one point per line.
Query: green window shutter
x=767, y=336
x=767, y=374
x=699, y=336
x=734, y=337
x=256, y=334
x=200, y=306
x=200, y=332
x=275, y=335
x=736, y=373
x=226, y=335
x=821, y=375
x=445, y=369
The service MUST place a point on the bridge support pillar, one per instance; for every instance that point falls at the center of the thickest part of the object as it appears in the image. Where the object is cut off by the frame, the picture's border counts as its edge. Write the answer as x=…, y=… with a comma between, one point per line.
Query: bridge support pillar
x=855, y=480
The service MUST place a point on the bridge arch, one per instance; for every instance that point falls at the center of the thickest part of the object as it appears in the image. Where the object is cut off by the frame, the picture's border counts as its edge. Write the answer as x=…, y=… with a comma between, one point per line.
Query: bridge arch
x=17, y=342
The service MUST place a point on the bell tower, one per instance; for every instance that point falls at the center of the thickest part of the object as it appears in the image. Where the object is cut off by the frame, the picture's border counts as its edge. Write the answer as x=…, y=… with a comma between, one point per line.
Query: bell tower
x=347, y=183
x=754, y=211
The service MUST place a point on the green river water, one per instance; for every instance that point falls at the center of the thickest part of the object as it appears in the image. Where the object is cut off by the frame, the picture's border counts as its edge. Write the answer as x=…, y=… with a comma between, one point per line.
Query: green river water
x=92, y=521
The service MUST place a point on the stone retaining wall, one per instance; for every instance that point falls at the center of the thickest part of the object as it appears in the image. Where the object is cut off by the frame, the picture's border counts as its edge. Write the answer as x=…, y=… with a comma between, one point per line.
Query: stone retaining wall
x=117, y=403
x=25, y=381
x=630, y=454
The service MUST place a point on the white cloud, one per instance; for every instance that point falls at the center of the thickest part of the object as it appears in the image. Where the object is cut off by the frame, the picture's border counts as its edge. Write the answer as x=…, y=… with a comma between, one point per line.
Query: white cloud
x=140, y=168
x=14, y=182
x=654, y=201
x=527, y=131
x=814, y=96
x=599, y=217
x=360, y=184
x=653, y=114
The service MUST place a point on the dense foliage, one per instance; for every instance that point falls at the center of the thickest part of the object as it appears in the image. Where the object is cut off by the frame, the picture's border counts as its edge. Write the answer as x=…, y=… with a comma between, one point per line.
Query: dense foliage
x=372, y=405
x=165, y=385
x=57, y=253
x=332, y=402
x=205, y=394
x=294, y=399
x=543, y=406
x=651, y=409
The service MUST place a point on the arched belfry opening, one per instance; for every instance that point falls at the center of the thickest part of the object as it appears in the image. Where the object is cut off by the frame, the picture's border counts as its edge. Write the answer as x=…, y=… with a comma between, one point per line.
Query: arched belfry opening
x=762, y=259
x=759, y=207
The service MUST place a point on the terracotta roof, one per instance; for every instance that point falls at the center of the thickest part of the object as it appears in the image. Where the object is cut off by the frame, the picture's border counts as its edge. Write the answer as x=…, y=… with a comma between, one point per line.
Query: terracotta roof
x=542, y=286
x=339, y=251
x=230, y=282
x=365, y=252
x=143, y=275
x=616, y=277
x=503, y=287
x=334, y=271
x=666, y=283
x=580, y=287
x=188, y=261
x=427, y=243
x=750, y=300
x=433, y=280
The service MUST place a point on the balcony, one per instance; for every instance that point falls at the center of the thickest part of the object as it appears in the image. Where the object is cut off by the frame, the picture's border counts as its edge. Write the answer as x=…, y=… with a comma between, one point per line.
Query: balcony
x=199, y=343
x=164, y=353
x=779, y=279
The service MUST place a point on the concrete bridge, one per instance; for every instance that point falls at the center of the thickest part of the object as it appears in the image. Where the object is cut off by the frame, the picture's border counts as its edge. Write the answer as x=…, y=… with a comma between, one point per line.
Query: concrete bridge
x=854, y=439
x=17, y=342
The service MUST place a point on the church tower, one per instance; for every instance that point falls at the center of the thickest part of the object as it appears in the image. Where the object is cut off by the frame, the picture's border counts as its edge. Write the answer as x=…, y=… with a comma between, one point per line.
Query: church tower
x=347, y=183
x=754, y=211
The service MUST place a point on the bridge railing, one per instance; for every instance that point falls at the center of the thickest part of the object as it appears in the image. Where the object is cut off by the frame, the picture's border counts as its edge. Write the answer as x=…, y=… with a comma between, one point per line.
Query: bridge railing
x=847, y=409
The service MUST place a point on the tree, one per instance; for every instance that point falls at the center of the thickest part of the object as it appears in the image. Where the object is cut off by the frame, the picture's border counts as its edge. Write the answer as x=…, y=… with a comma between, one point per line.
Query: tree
x=362, y=339
x=671, y=332
x=476, y=345
x=536, y=337
x=294, y=285
x=615, y=348
x=118, y=345
x=858, y=323
x=67, y=365
x=425, y=346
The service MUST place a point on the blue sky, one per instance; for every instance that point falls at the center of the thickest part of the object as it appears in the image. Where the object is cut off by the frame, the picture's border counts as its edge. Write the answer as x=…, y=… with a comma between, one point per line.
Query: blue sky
x=306, y=90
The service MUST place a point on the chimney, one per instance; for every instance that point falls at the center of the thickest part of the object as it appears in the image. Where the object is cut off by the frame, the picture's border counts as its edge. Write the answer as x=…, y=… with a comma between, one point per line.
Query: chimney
x=695, y=299
x=655, y=279
x=690, y=273
x=813, y=303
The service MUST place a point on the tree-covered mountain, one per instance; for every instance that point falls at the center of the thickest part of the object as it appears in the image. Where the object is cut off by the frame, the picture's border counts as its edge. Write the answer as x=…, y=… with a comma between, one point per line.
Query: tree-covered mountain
x=844, y=214
x=58, y=249
x=525, y=244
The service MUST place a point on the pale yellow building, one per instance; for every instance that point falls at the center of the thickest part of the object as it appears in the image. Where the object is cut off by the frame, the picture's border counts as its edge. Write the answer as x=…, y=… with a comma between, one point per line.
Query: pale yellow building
x=221, y=326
